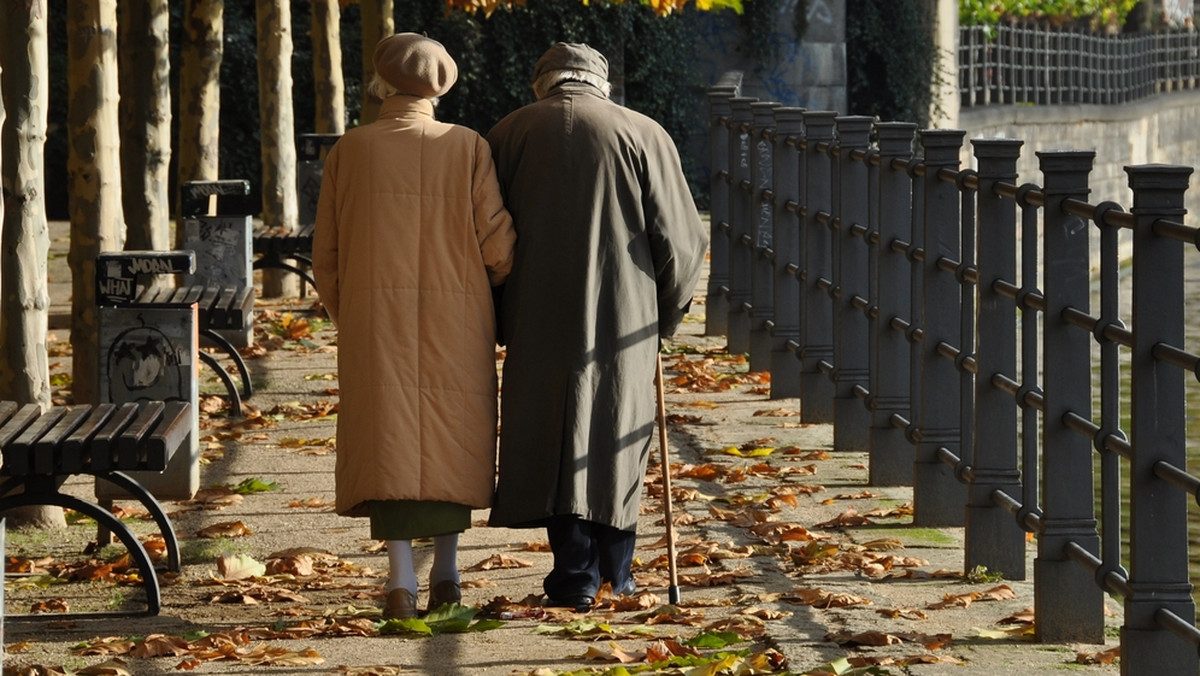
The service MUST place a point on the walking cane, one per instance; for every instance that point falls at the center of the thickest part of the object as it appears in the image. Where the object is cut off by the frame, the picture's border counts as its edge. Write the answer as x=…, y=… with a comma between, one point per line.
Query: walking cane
x=673, y=590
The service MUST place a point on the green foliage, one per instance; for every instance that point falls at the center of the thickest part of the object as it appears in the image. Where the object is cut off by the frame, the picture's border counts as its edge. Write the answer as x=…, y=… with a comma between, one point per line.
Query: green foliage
x=890, y=59
x=1092, y=13
x=253, y=485
x=449, y=619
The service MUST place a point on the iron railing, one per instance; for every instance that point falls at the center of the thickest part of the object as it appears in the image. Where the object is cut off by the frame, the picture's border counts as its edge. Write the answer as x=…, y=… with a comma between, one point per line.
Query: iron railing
x=1044, y=65
x=940, y=319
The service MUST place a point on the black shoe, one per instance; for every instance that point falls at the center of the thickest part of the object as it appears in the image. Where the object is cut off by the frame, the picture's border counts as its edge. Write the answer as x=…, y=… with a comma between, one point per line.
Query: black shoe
x=627, y=589
x=580, y=603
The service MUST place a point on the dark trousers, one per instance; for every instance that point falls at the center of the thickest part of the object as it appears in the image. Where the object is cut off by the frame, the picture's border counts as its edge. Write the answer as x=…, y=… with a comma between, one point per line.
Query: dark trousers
x=587, y=554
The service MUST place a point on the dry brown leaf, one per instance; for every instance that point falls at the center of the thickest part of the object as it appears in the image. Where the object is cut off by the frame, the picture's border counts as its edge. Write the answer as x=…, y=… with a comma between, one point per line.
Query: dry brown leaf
x=1026, y=617
x=224, y=529
x=847, y=519
x=614, y=653
x=160, y=645
x=113, y=667
x=300, y=566
x=1103, y=657
x=496, y=561
x=57, y=605
x=905, y=613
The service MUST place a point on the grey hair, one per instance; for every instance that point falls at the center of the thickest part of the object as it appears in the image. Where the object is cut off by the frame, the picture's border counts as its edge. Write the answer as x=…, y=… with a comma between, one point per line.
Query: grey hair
x=551, y=79
x=380, y=89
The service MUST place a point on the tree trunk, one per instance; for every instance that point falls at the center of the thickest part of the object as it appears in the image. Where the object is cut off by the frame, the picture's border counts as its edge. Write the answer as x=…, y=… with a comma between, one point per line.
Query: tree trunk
x=200, y=93
x=281, y=206
x=145, y=122
x=25, y=300
x=93, y=174
x=378, y=22
x=330, y=95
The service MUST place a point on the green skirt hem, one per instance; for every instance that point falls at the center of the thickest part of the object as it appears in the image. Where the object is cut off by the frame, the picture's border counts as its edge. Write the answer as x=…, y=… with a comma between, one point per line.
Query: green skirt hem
x=409, y=519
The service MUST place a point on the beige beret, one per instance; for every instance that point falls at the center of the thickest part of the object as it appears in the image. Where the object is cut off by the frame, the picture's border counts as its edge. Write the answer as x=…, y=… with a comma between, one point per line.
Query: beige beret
x=571, y=56
x=415, y=64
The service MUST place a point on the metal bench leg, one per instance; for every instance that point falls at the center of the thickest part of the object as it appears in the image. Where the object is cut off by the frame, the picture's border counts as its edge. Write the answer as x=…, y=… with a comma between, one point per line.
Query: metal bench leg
x=106, y=518
x=235, y=400
x=263, y=263
x=153, y=506
x=228, y=348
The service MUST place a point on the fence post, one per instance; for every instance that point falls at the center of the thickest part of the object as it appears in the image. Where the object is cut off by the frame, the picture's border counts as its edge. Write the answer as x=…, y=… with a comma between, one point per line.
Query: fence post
x=1068, y=602
x=740, y=213
x=851, y=293
x=891, y=452
x=1158, y=527
x=762, y=273
x=785, y=368
x=716, y=303
x=993, y=538
x=938, y=497
x=816, y=321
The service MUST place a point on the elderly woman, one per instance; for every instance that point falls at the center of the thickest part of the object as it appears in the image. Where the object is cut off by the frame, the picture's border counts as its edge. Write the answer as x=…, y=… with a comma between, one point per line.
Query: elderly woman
x=411, y=236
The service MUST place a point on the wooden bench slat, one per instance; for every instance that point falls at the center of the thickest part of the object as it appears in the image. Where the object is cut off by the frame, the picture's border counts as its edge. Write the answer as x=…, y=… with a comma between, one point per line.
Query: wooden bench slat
x=208, y=297
x=7, y=409
x=193, y=295
x=240, y=307
x=179, y=295
x=175, y=426
x=17, y=424
x=74, y=452
x=130, y=442
x=18, y=454
x=47, y=450
x=220, y=316
x=104, y=443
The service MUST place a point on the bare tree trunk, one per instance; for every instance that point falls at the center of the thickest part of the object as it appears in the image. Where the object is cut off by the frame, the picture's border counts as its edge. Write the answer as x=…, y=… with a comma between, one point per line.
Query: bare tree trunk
x=93, y=174
x=25, y=303
x=145, y=122
x=378, y=22
x=281, y=206
x=200, y=92
x=330, y=94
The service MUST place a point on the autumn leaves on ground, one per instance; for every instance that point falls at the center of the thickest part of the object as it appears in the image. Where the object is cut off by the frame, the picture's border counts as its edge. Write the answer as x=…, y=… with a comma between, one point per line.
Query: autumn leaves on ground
x=273, y=580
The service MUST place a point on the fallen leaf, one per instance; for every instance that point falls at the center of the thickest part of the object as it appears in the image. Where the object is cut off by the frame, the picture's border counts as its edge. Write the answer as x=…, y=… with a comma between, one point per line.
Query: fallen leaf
x=1103, y=657
x=496, y=561
x=224, y=529
x=239, y=566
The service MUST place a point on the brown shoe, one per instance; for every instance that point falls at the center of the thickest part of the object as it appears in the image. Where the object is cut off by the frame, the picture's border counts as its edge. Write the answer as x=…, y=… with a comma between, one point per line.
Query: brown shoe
x=446, y=591
x=401, y=605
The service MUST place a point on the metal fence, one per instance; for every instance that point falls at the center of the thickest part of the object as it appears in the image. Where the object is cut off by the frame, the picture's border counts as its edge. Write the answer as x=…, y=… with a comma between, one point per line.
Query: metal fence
x=1038, y=64
x=940, y=319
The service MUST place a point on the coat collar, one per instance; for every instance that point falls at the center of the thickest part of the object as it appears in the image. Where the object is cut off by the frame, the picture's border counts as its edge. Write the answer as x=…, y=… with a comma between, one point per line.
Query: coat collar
x=402, y=105
x=573, y=87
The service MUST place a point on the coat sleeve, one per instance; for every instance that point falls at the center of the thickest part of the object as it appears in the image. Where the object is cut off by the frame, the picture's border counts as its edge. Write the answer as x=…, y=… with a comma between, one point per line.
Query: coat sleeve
x=678, y=241
x=325, y=238
x=493, y=224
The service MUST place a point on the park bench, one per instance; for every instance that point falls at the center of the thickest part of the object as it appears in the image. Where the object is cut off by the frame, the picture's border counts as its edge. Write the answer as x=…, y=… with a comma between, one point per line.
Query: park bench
x=123, y=279
x=41, y=450
x=277, y=248
x=291, y=249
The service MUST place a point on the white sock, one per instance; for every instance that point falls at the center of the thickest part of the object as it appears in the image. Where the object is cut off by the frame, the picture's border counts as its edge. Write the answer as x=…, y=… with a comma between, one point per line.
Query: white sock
x=445, y=559
x=400, y=564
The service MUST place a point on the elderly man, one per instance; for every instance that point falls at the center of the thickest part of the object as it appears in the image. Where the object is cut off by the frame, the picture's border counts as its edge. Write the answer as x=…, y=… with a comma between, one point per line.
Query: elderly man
x=609, y=251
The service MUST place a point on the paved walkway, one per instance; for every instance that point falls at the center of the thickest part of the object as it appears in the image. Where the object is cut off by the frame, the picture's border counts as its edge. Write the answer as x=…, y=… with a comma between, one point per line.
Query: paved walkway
x=783, y=550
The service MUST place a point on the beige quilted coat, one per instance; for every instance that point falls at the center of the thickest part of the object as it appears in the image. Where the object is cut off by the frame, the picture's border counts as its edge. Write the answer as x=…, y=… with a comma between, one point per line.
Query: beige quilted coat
x=411, y=235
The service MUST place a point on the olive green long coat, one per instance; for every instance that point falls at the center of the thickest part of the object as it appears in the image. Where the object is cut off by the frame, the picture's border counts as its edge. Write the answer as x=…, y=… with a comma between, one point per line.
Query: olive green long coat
x=609, y=252
x=411, y=234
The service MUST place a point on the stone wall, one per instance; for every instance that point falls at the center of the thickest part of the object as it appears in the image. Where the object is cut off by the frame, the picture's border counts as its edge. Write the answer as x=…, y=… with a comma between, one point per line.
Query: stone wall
x=1160, y=129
